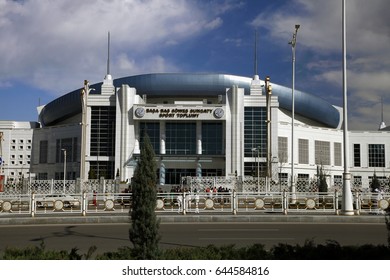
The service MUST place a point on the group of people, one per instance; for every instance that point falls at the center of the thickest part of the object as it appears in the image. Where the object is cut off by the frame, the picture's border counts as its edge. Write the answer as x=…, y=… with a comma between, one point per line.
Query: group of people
x=179, y=189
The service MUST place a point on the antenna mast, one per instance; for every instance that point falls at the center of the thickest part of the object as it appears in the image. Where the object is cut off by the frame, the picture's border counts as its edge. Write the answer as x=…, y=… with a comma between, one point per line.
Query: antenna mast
x=382, y=124
x=382, y=108
x=255, y=62
x=108, y=54
x=256, y=52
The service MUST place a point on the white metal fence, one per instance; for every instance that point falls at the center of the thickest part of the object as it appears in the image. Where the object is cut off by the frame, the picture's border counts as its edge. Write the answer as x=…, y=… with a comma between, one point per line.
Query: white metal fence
x=90, y=203
x=196, y=195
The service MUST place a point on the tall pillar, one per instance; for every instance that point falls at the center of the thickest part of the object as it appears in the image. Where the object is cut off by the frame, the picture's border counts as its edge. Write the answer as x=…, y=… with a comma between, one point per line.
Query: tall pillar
x=137, y=149
x=162, y=174
x=198, y=137
x=199, y=170
x=236, y=103
x=162, y=138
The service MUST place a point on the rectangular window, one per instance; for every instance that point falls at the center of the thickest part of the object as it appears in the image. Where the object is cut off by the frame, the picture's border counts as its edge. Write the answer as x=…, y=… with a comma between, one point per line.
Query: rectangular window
x=43, y=151
x=103, y=131
x=75, y=156
x=303, y=151
x=174, y=176
x=356, y=155
x=153, y=131
x=100, y=169
x=67, y=145
x=255, y=130
x=255, y=168
x=212, y=138
x=180, y=138
x=322, y=152
x=376, y=155
x=337, y=154
x=282, y=149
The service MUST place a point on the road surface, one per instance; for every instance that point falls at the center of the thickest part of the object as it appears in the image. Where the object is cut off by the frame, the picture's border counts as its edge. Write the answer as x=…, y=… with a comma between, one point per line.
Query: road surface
x=109, y=237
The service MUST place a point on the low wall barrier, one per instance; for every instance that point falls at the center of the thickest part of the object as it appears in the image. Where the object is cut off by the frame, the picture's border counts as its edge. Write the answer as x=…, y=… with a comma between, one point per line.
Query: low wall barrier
x=90, y=203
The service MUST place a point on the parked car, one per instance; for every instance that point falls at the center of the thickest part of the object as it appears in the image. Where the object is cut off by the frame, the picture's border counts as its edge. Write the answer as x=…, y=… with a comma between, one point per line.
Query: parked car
x=50, y=200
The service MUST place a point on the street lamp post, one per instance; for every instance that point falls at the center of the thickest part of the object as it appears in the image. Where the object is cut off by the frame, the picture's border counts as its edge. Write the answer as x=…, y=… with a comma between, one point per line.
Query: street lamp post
x=64, y=150
x=347, y=205
x=293, y=44
x=84, y=121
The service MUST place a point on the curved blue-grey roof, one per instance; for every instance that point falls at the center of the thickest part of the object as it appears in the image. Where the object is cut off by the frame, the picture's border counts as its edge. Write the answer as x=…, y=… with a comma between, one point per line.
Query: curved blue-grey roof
x=185, y=84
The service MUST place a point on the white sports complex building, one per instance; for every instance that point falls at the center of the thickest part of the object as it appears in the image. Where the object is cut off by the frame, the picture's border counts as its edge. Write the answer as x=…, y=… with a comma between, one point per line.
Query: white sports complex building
x=201, y=126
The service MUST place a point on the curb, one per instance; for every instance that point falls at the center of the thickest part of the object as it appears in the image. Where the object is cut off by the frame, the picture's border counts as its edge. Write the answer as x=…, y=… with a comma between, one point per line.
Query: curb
x=374, y=219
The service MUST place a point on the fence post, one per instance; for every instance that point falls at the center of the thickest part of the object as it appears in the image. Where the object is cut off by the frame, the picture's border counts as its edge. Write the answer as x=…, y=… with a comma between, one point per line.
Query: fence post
x=357, y=203
x=284, y=202
x=234, y=201
x=336, y=201
x=84, y=203
x=32, y=204
x=184, y=202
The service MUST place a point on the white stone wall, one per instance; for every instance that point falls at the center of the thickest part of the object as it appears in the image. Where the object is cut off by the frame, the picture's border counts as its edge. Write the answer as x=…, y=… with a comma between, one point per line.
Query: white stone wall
x=16, y=147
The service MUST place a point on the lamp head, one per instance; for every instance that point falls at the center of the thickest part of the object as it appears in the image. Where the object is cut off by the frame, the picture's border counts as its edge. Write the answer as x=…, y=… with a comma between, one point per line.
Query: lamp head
x=297, y=26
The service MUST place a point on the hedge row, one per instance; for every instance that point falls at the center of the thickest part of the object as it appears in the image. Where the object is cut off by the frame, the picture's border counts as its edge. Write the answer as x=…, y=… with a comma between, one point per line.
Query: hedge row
x=331, y=250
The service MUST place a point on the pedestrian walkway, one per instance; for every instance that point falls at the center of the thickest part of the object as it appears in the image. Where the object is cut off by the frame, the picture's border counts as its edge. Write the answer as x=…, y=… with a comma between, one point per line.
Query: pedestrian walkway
x=203, y=218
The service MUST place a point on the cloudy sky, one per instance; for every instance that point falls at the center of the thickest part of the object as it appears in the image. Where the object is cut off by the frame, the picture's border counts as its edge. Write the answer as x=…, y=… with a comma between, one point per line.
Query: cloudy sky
x=49, y=47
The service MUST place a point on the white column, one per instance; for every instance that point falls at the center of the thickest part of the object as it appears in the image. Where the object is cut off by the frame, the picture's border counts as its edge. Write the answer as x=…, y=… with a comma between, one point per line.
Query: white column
x=198, y=137
x=137, y=149
x=162, y=138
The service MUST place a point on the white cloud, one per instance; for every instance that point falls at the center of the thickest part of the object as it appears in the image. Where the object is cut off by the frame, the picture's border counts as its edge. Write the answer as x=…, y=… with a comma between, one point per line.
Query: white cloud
x=319, y=38
x=214, y=24
x=234, y=41
x=55, y=44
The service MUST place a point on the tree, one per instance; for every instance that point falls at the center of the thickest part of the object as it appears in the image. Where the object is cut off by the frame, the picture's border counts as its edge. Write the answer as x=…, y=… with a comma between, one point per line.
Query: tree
x=144, y=231
x=375, y=184
x=322, y=184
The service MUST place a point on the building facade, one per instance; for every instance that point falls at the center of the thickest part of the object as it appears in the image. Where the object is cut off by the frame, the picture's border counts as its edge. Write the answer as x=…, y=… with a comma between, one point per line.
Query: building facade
x=16, y=141
x=201, y=125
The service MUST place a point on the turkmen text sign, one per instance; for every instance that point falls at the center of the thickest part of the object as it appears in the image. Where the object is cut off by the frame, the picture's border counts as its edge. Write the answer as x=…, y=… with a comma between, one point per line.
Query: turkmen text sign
x=179, y=113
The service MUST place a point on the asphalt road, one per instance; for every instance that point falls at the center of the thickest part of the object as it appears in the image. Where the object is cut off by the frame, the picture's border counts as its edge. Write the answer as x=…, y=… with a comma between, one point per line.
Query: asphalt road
x=109, y=237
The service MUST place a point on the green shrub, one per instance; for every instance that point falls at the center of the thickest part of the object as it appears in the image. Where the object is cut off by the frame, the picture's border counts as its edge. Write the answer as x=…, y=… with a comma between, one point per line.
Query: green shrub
x=40, y=253
x=331, y=250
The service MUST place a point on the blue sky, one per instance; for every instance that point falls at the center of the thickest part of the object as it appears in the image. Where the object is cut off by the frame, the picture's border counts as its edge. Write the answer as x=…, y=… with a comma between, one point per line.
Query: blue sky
x=49, y=47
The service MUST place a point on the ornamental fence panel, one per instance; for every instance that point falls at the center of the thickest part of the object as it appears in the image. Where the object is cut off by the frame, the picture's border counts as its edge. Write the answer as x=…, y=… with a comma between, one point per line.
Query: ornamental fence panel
x=15, y=204
x=312, y=202
x=257, y=202
x=372, y=203
x=208, y=202
x=56, y=204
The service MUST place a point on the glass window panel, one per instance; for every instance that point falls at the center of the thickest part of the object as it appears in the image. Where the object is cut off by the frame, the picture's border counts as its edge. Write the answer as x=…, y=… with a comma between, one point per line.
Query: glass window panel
x=322, y=152
x=376, y=155
x=356, y=155
x=337, y=154
x=180, y=138
x=212, y=138
x=303, y=151
x=153, y=131
x=255, y=130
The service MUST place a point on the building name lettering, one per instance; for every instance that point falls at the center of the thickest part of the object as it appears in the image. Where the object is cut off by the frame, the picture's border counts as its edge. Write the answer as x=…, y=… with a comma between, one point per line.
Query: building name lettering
x=178, y=112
